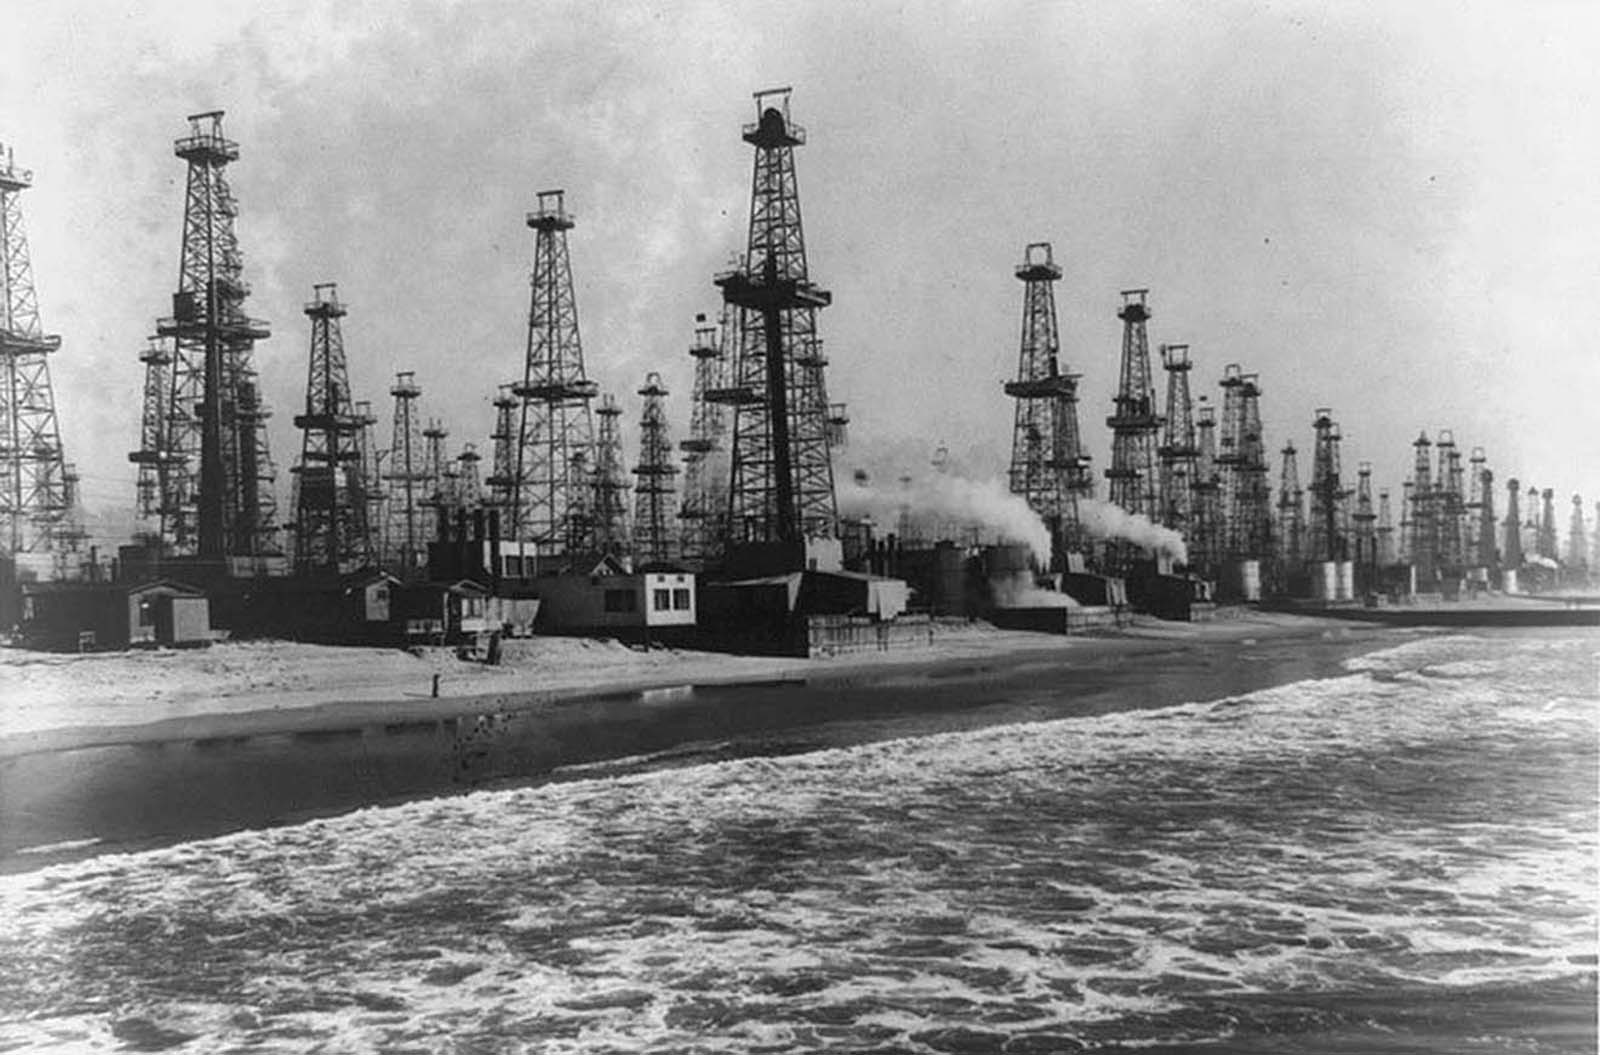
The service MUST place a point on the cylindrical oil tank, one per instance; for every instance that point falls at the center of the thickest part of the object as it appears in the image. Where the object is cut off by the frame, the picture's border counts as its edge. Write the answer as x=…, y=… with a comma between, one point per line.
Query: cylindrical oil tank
x=1244, y=576
x=1346, y=581
x=1011, y=558
x=1324, y=580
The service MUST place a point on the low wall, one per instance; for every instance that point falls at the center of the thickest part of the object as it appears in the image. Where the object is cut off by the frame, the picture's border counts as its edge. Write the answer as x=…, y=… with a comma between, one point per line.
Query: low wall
x=832, y=635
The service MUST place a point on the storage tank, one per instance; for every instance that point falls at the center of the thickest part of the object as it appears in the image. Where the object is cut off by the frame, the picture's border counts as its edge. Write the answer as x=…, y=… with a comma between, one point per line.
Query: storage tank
x=1324, y=580
x=1346, y=582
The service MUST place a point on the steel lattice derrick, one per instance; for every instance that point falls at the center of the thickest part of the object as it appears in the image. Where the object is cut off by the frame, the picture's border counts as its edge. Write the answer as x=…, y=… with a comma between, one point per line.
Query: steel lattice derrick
x=1207, y=541
x=1472, y=523
x=604, y=523
x=1449, y=506
x=1179, y=446
x=1365, y=516
x=1385, y=545
x=406, y=524
x=1328, y=539
x=503, y=456
x=331, y=529
x=1511, y=555
x=1047, y=464
x=1485, y=545
x=1577, y=556
x=1134, y=424
x=704, y=483
x=555, y=433
x=158, y=466
x=35, y=506
x=656, y=480
x=1547, y=525
x=781, y=486
x=1243, y=465
x=1423, y=536
x=222, y=502
x=467, y=492
x=1291, y=512
x=438, y=478
x=1594, y=544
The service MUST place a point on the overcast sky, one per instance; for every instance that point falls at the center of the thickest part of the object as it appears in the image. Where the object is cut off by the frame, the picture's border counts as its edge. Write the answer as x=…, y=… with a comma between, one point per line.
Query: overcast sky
x=1387, y=209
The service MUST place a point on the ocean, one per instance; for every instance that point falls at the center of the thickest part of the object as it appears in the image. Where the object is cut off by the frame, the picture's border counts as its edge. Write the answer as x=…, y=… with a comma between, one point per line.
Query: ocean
x=1399, y=858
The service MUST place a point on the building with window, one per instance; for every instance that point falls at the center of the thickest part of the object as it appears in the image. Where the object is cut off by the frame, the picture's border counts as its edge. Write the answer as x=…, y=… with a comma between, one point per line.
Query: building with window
x=78, y=616
x=607, y=598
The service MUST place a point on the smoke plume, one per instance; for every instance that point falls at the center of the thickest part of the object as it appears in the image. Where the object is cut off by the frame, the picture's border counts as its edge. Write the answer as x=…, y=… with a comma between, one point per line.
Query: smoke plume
x=1102, y=520
x=1017, y=590
x=984, y=503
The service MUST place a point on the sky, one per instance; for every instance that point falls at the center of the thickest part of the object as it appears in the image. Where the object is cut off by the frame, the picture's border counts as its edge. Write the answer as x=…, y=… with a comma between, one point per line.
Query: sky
x=1384, y=209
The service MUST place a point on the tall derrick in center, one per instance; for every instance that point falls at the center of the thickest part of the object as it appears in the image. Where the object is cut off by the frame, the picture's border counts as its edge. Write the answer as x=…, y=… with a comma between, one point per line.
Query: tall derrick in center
x=1133, y=426
x=1048, y=469
x=1180, y=449
x=652, y=534
x=555, y=435
x=331, y=532
x=220, y=502
x=781, y=487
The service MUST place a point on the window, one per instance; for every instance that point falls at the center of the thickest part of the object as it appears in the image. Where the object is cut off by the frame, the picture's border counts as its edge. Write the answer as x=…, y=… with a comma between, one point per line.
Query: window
x=147, y=613
x=680, y=600
x=621, y=601
x=663, y=600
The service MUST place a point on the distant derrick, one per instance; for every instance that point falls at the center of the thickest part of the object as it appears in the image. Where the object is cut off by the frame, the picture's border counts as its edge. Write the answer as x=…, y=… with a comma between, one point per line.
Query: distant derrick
x=1385, y=532
x=1208, y=534
x=1134, y=425
x=1328, y=530
x=1486, y=542
x=331, y=532
x=1243, y=464
x=781, y=486
x=653, y=493
x=155, y=461
x=1547, y=525
x=1423, y=537
x=503, y=457
x=1179, y=448
x=1511, y=546
x=606, y=519
x=221, y=503
x=1449, y=508
x=35, y=500
x=555, y=435
x=704, y=485
x=1364, y=536
x=1291, y=513
x=468, y=490
x=406, y=528
x=1048, y=467
x=1577, y=541
x=1472, y=513
x=438, y=478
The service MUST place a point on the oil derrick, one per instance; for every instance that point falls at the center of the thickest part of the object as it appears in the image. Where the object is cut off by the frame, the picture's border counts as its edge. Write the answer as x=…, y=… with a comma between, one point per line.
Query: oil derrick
x=222, y=503
x=406, y=528
x=1385, y=552
x=1472, y=510
x=1210, y=525
x=438, y=478
x=781, y=486
x=156, y=463
x=1044, y=447
x=602, y=517
x=503, y=458
x=1328, y=539
x=1449, y=508
x=34, y=502
x=1423, y=536
x=1511, y=547
x=555, y=432
x=1530, y=529
x=1365, y=536
x=1243, y=462
x=1291, y=512
x=1577, y=541
x=371, y=469
x=699, y=516
x=331, y=533
x=468, y=490
x=1134, y=425
x=1547, y=525
x=1594, y=544
x=653, y=493
x=1179, y=447
x=1484, y=540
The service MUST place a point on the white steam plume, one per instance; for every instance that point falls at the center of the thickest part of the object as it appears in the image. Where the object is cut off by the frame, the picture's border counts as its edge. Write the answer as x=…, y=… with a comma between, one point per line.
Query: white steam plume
x=1106, y=521
x=1018, y=590
x=985, y=503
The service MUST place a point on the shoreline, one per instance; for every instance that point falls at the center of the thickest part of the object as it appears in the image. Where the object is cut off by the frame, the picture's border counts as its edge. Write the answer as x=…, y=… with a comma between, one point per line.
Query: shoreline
x=75, y=793
x=268, y=713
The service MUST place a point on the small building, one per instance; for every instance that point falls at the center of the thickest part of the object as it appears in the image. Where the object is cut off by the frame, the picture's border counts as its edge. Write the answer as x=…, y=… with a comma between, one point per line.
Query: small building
x=79, y=616
x=608, y=598
x=338, y=610
x=441, y=613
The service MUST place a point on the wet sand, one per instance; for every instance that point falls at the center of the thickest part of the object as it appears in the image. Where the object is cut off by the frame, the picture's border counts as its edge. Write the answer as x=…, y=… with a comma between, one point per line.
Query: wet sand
x=87, y=791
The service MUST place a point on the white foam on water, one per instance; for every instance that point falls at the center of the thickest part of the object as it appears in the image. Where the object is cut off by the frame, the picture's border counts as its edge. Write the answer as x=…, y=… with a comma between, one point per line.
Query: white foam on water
x=1405, y=823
